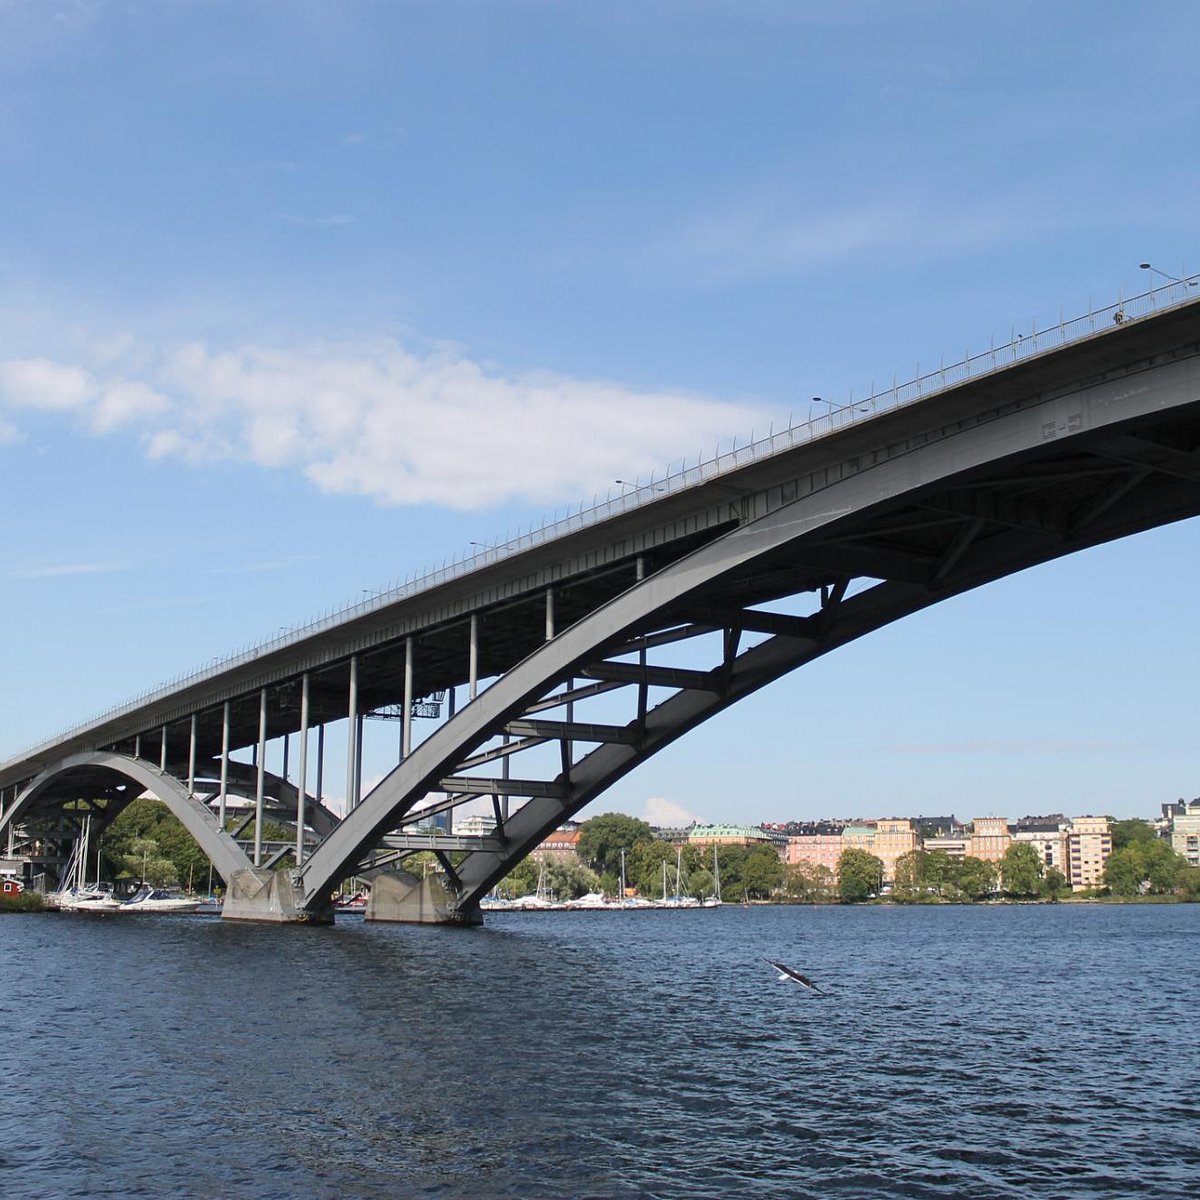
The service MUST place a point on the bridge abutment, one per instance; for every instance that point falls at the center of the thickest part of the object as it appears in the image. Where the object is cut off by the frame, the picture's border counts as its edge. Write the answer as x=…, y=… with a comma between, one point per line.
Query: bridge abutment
x=269, y=896
x=399, y=896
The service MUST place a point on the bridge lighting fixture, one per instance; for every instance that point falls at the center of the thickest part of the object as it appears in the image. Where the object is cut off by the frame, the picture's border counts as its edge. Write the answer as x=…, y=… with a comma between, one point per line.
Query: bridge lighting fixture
x=1172, y=278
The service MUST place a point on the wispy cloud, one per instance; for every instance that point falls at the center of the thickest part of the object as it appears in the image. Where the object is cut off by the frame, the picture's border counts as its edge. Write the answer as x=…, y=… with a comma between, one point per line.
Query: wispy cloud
x=666, y=814
x=58, y=570
x=377, y=420
x=1026, y=746
x=283, y=564
x=330, y=221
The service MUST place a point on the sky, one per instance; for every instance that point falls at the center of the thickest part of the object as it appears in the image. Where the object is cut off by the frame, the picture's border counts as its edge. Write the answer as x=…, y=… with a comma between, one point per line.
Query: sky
x=299, y=298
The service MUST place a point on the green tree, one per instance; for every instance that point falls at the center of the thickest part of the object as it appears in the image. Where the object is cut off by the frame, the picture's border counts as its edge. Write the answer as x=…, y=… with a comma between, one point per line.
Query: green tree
x=1054, y=883
x=808, y=882
x=762, y=873
x=1021, y=869
x=1140, y=865
x=974, y=877
x=602, y=839
x=1130, y=833
x=859, y=875
x=910, y=870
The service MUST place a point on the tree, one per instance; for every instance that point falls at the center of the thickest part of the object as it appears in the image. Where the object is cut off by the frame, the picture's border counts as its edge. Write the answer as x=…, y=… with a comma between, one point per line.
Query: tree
x=859, y=875
x=1142, y=865
x=1131, y=832
x=602, y=839
x=909, y=873
x=762, y=873
x=975, y=877
x=808, y=882
x=1021, y=869
x=1054, y=883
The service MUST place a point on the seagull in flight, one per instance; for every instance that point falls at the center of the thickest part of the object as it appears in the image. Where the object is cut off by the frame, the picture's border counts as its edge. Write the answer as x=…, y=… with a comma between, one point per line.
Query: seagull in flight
x=786, y=974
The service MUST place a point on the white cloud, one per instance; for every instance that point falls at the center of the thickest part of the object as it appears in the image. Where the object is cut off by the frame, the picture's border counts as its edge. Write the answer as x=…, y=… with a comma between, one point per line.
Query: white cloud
x=380, y=421
x=41, y=384
x=9, y=434
x=667, y=814
x=57, y=570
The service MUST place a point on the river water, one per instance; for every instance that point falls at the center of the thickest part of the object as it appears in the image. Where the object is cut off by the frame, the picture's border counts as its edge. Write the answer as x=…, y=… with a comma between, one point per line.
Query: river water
x=1032, y=1051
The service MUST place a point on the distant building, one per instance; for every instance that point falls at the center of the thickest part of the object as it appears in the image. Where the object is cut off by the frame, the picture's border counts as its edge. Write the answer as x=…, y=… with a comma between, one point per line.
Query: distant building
x=1183, y=828
x=475, y=825
x=819, y=844
x=938, y=827
x=1048, y=836
x=562, y=844
x=1089, y=843
x=894, y=837
x=989, y=838
x=955, y=847
x=728, y=835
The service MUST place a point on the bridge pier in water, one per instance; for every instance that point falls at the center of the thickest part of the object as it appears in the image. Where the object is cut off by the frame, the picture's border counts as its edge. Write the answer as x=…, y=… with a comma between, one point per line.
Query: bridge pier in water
x=255, y=894
x=399, y=896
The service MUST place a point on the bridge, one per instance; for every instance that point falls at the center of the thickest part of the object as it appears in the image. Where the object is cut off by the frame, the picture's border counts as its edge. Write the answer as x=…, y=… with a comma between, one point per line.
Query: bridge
x=550, y=667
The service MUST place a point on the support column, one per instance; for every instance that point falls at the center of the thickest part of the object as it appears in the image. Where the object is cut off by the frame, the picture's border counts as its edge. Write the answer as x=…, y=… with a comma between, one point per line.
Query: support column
x=320, y=793
x=162, y=756
x=473, y=678
x=549, y=614
x=224, y=765
x=261, y=781
x=137, y=746
x=302, y=782
x=406, y=716
x=352, y=735
x=192, y=758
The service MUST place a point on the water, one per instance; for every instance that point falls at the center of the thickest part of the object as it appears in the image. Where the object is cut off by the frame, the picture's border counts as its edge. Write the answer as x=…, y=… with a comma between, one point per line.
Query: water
x=1035, y=1051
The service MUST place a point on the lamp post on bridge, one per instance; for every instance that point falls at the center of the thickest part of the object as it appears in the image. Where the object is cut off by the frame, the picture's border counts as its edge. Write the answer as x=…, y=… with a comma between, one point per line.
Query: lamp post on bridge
x=1171, y=278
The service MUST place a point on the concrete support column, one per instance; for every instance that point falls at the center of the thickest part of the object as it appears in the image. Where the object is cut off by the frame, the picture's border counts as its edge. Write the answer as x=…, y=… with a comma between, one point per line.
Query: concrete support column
x=406, y=715
x=473, y=677
x=260, y=785
x=352, y=735
x=302, y=782
x=162, y=756
x=192, y=758
x=224, y=792
x=549, y=614
x=320, y=792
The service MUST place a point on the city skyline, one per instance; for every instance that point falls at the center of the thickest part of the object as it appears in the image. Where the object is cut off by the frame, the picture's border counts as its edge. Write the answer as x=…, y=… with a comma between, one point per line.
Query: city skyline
x=294, y=313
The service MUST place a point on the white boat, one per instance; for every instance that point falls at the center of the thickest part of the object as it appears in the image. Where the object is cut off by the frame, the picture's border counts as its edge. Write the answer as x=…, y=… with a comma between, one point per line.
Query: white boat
x=76, y=894
x=158, y=900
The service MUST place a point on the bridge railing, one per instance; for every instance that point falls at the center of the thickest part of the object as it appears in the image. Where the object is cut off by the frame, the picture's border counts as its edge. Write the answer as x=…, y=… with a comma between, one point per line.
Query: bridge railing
x=1020, y=347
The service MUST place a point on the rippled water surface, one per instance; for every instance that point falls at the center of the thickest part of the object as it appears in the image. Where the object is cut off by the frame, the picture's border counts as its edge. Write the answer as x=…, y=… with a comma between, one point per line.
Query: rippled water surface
x=1040, y=1051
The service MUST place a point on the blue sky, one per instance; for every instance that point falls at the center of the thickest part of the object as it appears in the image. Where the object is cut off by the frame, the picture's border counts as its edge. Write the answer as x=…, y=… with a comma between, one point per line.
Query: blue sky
x=299, y=298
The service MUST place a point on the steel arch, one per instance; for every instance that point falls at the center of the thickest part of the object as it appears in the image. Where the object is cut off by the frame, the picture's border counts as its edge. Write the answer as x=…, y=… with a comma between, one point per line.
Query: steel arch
x=225, y=854
x=1043, y=425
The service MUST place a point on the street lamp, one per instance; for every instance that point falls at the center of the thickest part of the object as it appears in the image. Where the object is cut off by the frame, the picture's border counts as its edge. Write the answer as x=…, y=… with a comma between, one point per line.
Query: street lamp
x=1171, y=278
x=637, y=487
x=836, y=407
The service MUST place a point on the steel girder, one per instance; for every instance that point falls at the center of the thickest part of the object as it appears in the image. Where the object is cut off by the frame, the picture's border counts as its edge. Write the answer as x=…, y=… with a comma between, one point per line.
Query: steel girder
x=1058, y=473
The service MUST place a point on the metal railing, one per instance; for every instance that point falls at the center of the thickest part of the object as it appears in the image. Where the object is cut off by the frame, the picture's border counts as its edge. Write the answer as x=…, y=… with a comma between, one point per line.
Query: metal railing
x=1020, y=347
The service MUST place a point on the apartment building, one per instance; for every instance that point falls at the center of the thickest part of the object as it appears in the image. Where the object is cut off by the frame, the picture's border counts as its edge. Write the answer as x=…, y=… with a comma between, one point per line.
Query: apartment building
x=1089, y=843
x=989, y=838
x=894, y=837
x=1183, y=825
x=1048, y=836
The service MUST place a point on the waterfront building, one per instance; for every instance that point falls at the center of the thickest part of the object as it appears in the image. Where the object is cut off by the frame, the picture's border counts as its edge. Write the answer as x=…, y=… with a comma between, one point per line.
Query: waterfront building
x=989, y=838
x=1048, y=836
x=1089, y=843
x=859, y=836
x=1183, y=828
x=562, y=844
x=728, y=835
x=939, y=827
x=819, y=844
x=894, y=837
x=475, y=825
x=955, y=847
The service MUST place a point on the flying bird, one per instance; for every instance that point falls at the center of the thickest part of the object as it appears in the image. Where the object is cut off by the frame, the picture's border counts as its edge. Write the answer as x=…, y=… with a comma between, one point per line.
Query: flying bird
x=786, y=973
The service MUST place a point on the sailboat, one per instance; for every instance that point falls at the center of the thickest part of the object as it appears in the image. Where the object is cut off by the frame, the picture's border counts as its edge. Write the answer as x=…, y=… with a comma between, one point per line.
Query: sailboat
x=76, y=894
x=714, y=901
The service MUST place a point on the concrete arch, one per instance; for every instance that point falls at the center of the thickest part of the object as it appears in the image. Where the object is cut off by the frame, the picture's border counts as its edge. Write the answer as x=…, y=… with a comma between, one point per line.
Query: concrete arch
x=1089, y=416
x=225, y=854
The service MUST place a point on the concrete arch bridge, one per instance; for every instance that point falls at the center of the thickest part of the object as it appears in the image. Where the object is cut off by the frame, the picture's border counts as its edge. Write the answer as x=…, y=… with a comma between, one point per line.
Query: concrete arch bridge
x=553, y=664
